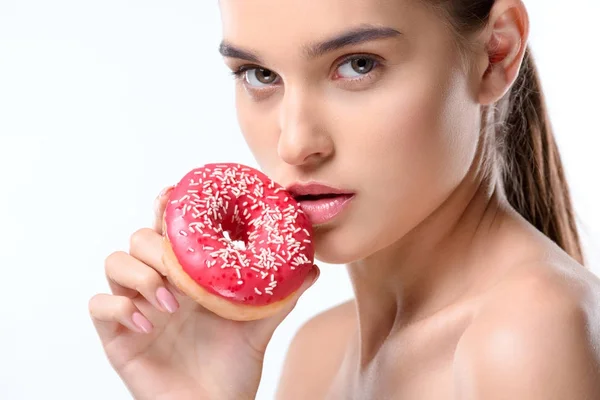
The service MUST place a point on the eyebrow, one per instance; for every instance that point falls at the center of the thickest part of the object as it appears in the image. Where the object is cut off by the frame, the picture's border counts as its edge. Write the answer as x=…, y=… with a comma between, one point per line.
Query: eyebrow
x=358, y=35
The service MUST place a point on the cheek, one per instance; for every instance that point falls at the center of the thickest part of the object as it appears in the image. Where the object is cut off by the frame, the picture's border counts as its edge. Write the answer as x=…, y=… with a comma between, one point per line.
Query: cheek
x=415, y=140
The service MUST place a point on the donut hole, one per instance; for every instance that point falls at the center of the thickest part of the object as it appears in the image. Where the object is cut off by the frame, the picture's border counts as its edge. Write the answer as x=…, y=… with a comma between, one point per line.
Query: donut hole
x=236, y=239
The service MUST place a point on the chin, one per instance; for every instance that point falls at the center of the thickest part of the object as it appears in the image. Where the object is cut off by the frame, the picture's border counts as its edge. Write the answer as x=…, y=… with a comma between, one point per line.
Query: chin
x=355, y=240
x=341, y=246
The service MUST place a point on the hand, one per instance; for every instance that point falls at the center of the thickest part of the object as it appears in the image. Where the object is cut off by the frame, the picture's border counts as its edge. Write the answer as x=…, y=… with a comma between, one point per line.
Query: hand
x=164, y=345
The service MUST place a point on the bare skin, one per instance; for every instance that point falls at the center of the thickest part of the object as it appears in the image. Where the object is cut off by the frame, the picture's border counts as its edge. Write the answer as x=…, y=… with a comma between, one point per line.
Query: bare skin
x=526, y=329
x=456, y=296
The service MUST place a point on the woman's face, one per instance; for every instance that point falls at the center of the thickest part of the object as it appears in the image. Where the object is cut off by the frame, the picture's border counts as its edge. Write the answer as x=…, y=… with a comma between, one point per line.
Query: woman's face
x=387, y=111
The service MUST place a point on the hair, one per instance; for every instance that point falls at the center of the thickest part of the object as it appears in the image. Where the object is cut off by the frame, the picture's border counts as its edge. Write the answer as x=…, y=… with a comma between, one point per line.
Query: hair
x=522, y=141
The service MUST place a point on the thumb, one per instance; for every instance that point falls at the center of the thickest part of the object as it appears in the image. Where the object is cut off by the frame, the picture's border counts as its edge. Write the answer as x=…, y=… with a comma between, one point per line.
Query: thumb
x=310, y=280
x=269, y=324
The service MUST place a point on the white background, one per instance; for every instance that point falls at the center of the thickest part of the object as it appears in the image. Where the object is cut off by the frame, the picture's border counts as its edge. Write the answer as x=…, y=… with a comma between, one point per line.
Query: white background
x=102, y=103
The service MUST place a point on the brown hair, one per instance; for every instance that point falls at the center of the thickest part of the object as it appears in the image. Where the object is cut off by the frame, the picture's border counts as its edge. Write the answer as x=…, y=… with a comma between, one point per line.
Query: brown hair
x=532, y=174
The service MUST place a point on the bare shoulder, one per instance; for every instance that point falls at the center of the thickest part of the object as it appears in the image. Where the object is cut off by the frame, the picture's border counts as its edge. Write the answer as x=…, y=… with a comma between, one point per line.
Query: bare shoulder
x=537, y=336
x=315, y=353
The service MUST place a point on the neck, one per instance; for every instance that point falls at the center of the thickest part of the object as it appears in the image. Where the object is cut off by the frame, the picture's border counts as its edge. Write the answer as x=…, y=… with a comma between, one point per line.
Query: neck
x=430, y=268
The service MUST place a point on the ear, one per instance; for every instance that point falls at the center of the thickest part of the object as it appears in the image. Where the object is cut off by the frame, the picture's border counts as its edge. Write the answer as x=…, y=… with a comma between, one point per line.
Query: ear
x=505, y=42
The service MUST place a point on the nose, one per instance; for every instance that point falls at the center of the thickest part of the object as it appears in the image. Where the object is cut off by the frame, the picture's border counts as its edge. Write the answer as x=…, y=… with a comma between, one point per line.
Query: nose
x=303, y=138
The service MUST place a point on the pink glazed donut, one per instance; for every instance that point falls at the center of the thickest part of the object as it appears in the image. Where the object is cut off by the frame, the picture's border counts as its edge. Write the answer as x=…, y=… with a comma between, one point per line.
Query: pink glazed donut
x=235, y=241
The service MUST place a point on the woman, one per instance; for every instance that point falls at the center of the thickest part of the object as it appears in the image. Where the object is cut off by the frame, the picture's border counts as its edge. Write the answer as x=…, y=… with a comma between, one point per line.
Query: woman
x=459, y=237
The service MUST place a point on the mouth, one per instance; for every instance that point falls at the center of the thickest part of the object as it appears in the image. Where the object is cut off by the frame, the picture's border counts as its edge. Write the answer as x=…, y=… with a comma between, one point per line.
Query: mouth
x=313, y=190
x=316, y=197
x=320, y=203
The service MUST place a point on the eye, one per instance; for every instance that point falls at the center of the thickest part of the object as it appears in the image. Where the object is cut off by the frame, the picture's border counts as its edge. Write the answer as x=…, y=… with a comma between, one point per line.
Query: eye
x=259, y=77
x=356, y=66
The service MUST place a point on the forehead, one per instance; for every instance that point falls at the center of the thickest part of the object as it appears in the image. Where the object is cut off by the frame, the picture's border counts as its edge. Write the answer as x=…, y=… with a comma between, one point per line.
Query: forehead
x=281, y=24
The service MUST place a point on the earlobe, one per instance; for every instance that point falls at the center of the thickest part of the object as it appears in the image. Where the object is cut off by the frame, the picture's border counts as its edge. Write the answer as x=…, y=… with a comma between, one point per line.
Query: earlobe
x=505, y=48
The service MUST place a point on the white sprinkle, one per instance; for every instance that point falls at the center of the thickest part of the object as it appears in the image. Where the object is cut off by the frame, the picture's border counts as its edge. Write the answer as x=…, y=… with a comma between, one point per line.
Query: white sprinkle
x=183, y=233
x=257, y=291
x=190, y=250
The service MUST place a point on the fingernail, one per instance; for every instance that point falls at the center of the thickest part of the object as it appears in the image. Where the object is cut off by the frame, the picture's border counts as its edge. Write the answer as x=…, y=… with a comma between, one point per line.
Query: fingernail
x=141, y=322
x=167, y=300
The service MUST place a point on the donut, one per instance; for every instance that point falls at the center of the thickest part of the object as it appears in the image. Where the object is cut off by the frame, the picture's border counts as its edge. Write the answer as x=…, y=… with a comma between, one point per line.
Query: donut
x=236, y=241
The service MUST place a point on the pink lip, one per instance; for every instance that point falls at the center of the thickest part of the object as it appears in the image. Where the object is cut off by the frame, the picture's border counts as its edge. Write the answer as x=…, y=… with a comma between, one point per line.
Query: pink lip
x=322, y=210
x=313, y=188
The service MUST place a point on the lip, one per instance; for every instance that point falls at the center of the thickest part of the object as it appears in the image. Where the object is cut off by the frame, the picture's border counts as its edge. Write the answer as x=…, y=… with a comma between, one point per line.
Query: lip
x=313, y=188
x=323, y=210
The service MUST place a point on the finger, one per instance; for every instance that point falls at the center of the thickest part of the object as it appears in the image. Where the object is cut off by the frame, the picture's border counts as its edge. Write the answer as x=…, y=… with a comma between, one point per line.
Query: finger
x=310, y=280
x=129, y=276
x=110, y=312
x=160, y=203
x=267, y=326
x=147, y=246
